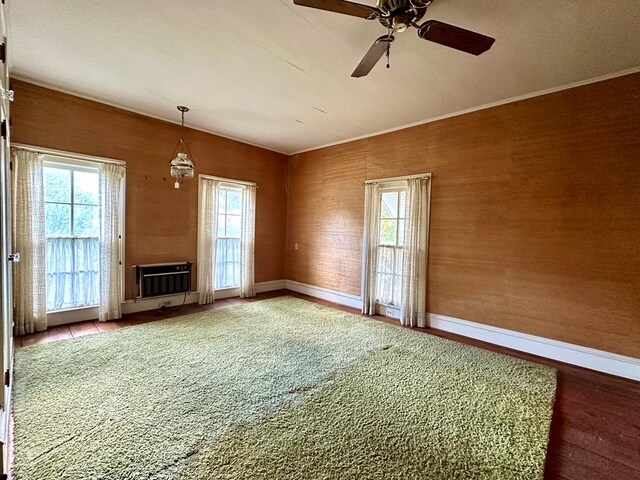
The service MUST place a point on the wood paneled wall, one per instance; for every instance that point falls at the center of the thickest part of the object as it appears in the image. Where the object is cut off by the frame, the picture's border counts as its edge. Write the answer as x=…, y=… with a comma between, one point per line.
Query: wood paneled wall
x=535, y=213
x=535, y=222
x=161, y=222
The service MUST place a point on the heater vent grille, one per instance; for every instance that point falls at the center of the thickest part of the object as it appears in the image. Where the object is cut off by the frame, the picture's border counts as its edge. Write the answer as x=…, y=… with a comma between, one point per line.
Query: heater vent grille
x=156, y=280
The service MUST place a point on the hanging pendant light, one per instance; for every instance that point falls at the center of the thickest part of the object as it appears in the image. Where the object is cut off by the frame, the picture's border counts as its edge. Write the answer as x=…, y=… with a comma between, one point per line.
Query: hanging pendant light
x=182, y=166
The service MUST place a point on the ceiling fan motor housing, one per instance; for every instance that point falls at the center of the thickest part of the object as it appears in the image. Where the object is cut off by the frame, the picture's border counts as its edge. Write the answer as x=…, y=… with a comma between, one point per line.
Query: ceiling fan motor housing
x=399, y=14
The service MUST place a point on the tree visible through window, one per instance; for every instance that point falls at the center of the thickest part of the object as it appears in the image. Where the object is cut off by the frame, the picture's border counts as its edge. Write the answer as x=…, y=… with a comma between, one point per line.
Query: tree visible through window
x=390, y=246
x=72, y=229
x=228, y=239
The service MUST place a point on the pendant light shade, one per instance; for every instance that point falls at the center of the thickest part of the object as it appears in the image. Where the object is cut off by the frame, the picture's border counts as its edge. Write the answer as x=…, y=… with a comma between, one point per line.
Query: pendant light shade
x=182, y=166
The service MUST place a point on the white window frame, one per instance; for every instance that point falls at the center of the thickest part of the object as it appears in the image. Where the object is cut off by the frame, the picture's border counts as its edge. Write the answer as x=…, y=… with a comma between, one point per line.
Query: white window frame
x=227, y=292
x=70, y=165
x=387, y=184
x=228, y=186
x=391, y=186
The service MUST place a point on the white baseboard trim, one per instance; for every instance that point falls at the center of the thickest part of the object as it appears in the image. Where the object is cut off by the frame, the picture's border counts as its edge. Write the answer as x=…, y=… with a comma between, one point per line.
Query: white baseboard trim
x=153, y=303
x=271, y=286
x=146, y=304
x=599, y=360
x=325, y=294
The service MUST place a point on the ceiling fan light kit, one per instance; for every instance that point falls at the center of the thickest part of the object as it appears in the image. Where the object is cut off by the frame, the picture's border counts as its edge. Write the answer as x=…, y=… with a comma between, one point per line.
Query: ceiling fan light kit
x=397, y=16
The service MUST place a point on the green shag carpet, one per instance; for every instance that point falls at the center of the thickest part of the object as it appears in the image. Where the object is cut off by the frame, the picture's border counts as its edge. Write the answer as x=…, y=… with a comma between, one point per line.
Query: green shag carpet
x=276, y=389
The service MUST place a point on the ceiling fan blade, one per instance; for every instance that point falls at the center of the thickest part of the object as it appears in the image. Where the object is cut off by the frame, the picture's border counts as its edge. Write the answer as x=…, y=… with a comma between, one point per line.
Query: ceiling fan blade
x=372, y=57
x=340, y=6
x=455, y=37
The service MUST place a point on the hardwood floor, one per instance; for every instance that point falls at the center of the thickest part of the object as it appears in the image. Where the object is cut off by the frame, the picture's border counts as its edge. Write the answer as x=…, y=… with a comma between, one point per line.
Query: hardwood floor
x=595, y=433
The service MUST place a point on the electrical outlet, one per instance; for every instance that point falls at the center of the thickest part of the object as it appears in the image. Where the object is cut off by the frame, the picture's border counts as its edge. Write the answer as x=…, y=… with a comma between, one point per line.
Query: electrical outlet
x=389, y=312
x=164, y=304
x=295, y=246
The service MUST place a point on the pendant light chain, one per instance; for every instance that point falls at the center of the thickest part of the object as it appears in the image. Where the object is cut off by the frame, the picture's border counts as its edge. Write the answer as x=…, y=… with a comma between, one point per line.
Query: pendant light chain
x=182, y=132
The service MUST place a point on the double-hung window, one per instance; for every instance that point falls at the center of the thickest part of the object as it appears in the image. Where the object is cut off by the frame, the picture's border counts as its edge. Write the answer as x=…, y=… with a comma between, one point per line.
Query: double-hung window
x=396, y=226
x=68, y=220
x=226, y=237
x=390, y=246
x=72, y=230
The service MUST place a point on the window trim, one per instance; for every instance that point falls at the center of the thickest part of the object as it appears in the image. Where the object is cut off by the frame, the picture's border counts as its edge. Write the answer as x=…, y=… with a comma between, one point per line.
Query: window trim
x=386, y=185
x=224, y=183
x=390, y=187
x=71, y=167
x=228, y=181
x=70, y=161
x=67, y=156
x=226, y=187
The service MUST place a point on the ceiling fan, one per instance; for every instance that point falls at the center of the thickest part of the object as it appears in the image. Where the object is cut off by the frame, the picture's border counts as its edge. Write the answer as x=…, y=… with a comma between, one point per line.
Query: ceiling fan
x=397, y=16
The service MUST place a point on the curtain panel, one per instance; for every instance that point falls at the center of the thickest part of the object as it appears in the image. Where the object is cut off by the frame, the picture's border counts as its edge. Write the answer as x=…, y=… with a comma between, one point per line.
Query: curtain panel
x=370, y=247
x=247, y=242
x=110, y=183
x=228, y=261
x=73, y=272
x=228, y=252
x=414, y=264
x=29, y=275
x=207, y=233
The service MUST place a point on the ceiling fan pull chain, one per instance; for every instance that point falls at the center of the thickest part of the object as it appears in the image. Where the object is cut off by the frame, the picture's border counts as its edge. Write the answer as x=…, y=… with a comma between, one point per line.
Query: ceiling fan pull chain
x=389, y=50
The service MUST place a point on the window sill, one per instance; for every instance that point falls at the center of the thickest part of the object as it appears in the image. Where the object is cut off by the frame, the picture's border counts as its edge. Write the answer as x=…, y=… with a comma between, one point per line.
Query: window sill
x=72, y=309
x=389, y=305
x=224, y=289
x=72, y=315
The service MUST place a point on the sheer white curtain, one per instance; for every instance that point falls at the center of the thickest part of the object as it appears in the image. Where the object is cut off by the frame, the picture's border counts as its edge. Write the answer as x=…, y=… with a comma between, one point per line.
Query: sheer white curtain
x=414, y=264
x=73, y=271
x=370, y=247
x=207, y=233
x=110, y=181
x=227, y=261
x=29, y=275
x=247, y=242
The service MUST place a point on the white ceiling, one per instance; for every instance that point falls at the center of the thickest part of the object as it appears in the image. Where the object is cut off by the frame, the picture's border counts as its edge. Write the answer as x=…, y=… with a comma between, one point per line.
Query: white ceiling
x=277, y=75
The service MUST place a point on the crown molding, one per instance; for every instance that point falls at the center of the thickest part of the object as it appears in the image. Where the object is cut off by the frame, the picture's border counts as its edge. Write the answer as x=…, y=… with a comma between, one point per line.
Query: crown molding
x=24, y=78
x=486, y=106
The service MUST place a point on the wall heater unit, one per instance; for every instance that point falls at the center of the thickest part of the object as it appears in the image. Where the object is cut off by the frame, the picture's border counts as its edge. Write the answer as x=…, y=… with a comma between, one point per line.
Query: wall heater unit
x=156, y=280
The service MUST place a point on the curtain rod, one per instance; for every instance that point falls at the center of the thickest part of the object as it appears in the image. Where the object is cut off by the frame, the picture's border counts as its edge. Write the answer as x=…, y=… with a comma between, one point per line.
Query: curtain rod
x=397, y=179
x=227, y=180
x=63, y=154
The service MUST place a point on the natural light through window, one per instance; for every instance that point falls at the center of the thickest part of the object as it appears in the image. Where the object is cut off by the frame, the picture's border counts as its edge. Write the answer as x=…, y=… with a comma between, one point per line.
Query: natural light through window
x=390, y=247
x=72, y=229
x=228, y=239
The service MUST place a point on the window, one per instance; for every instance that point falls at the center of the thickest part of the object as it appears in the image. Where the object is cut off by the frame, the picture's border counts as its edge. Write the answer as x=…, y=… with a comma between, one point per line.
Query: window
x=72, y=229
x=226, y=237
x=390, y=246
x=396, y=229
x=227, y=266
